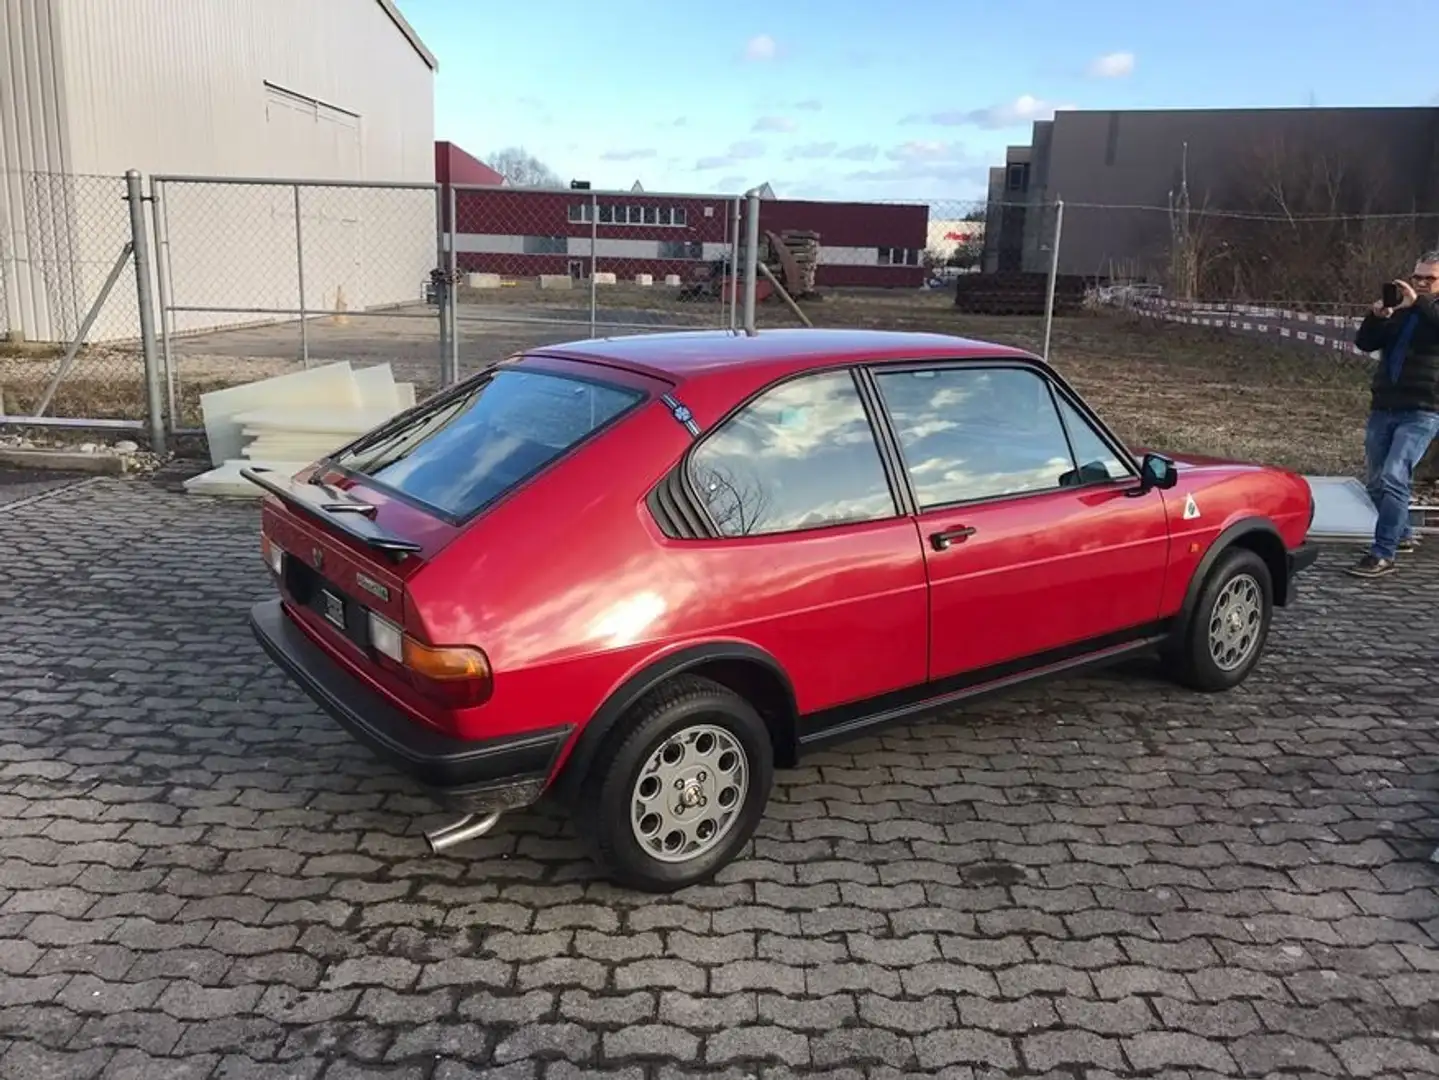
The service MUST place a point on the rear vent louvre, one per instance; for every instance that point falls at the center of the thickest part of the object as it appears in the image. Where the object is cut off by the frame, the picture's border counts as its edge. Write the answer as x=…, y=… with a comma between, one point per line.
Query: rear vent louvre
x=674, y=511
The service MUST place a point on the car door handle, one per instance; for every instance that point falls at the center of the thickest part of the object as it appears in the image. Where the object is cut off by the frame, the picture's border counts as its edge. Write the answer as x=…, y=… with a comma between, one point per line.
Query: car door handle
x=942, y=540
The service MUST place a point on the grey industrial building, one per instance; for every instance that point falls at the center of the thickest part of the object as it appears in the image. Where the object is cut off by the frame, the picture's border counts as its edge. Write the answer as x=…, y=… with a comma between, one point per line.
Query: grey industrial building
x=1106, y=165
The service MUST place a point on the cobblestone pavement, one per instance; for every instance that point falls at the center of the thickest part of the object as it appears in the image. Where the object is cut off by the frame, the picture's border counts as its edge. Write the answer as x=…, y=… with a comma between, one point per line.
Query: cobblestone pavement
x=202, y=877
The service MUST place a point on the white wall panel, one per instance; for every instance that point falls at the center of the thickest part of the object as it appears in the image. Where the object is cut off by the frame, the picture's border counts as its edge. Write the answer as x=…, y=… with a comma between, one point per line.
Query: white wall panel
x=319, y=89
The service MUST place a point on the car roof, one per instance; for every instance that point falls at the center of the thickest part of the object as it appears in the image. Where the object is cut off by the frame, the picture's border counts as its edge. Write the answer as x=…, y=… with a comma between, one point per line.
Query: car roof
x=689, y=355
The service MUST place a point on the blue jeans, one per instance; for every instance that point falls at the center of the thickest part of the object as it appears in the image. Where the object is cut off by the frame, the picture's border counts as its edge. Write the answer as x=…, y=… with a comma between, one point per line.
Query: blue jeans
x=1394, y=443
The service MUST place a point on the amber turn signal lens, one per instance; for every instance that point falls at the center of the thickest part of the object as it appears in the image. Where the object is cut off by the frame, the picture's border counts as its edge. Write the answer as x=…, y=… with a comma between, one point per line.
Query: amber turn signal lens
x=445, y=664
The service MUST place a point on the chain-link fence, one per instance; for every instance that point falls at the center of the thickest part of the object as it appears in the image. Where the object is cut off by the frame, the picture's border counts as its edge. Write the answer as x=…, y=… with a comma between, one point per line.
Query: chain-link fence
x=535, y=266
x=262, y=277
x=71, y=348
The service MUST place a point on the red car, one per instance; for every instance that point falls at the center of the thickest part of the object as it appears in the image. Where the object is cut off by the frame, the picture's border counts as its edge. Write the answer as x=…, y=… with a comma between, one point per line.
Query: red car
x=637, y=575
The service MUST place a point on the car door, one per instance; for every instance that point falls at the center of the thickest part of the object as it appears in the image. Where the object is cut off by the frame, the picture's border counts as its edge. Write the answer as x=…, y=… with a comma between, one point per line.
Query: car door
x=1035, y=545
x=815, y=561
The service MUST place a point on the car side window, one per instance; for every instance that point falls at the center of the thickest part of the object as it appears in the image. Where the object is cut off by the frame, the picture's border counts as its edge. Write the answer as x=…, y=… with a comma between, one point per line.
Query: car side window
x=971, y=433
x=1098, y=463
x=800, y=456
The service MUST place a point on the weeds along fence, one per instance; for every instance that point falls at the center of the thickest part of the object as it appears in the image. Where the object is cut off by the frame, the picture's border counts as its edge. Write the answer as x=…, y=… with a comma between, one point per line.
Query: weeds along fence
x=124, y=300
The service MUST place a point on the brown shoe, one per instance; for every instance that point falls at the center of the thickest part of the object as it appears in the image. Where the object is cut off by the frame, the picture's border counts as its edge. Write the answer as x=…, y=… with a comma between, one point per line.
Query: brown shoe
x=1371, y=566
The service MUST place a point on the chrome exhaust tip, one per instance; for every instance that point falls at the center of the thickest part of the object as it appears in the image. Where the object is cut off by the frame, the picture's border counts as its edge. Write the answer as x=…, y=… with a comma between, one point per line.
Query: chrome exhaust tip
x=469, y=827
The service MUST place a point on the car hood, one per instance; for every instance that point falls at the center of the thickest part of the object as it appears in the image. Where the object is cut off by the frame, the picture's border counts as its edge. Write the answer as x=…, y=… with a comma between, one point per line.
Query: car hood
x=1195, y=461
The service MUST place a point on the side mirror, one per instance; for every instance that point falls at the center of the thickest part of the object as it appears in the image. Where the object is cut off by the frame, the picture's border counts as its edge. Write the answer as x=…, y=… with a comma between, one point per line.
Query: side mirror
x=1156, y=471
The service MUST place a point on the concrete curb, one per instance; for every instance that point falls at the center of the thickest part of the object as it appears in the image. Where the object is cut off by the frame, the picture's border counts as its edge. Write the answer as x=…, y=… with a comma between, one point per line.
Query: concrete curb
x=65, y=461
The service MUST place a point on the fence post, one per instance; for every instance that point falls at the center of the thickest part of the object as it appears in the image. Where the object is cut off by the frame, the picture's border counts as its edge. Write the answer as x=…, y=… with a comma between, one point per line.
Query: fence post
x=451, y=363
x=144, y=302
x=159, y=219
x=734, y=268
x=444, y=241
x=751, y=258
x=300, y=280
x=594, y=256
x=1053, y=274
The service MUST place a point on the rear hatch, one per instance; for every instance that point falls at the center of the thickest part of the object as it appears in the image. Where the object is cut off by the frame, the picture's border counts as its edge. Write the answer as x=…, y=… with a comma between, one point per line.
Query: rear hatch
x=346, y=536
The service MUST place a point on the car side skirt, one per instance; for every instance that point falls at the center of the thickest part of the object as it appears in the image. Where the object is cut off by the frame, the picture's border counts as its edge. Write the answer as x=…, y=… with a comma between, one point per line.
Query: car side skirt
x=845, y=722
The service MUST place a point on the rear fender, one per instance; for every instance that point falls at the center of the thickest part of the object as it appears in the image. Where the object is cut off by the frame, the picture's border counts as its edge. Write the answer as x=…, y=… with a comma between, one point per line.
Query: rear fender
x=778, y=708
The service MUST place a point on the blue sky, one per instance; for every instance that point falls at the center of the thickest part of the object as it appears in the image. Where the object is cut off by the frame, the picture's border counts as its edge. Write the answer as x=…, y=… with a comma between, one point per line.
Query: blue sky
x=844, y=99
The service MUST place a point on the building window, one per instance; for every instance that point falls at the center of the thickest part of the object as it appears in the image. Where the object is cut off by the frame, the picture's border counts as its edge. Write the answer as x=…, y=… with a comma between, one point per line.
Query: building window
x=622, y=214
x=1017, y=178
x=681, y=249
x=893, y=256
x=546, y=245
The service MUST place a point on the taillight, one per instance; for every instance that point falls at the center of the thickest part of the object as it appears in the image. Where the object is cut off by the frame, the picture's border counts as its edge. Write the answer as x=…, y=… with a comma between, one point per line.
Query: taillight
x=455, y=675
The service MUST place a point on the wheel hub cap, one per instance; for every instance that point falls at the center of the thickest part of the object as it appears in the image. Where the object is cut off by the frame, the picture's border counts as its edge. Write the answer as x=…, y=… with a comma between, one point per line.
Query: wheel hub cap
x=1236, y=621
x=689, y=793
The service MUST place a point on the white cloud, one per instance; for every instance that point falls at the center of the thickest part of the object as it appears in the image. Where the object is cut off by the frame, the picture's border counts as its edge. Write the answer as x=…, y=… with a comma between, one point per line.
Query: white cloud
x=759, y=47
x=744, y=150
x=809, y=105
x=629, y=155
x=1115, y=65
x=1022, y=110
x=774, y=123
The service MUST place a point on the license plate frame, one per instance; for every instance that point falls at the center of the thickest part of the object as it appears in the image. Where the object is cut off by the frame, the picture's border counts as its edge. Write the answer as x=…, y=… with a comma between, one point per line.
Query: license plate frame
x=332, y=607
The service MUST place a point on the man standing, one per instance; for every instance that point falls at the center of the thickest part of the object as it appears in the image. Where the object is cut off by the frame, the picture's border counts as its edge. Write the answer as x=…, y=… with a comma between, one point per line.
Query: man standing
x=1403, y=409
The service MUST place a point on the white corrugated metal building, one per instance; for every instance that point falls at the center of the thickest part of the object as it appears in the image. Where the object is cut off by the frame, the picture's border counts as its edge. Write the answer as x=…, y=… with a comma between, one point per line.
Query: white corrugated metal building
x=316, y=89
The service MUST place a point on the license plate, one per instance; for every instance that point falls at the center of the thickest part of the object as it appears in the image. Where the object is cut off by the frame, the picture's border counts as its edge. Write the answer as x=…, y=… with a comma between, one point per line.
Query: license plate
x=332, y=607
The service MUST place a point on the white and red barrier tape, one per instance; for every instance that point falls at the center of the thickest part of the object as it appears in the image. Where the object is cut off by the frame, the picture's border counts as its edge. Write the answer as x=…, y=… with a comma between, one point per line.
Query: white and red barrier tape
x=1297, y=326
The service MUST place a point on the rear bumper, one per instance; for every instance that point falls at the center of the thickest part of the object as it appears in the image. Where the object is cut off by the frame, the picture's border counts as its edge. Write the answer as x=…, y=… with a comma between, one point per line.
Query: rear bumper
x=468, y=775
x=1303, y=557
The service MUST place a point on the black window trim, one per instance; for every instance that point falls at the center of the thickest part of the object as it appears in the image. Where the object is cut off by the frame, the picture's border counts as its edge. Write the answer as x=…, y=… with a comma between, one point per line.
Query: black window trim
x=1052, y=381
x=898, y=489
x=440, y=400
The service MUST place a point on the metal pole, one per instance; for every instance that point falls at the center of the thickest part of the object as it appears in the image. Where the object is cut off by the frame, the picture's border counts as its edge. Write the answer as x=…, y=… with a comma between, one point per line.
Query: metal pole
x=90, y=316
x=452, y=291
x=734, y=267
x=751, y=258
x=160, y=218
x=1053, y=275
x=134, y=192
x=300, y=271
x=594, y=255
x=443, y=242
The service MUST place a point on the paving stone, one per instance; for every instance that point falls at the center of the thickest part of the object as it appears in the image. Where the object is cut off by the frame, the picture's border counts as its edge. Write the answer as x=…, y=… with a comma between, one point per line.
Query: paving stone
x=1102, y=876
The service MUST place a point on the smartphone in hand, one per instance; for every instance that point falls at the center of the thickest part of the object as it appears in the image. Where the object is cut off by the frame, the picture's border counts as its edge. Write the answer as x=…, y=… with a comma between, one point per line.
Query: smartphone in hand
x=1391, y=295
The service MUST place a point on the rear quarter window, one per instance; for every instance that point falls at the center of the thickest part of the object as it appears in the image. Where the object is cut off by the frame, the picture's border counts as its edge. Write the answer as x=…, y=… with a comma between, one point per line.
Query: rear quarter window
x=465, y=452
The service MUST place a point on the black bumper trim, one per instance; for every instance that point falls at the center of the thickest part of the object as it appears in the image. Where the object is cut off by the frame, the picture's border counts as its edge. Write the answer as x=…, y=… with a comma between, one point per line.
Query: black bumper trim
x=1303, y=557
x=438, y=761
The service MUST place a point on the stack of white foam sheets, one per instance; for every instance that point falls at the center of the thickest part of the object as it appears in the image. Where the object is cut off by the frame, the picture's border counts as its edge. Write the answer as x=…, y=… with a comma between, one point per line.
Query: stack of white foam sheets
x=287, y=422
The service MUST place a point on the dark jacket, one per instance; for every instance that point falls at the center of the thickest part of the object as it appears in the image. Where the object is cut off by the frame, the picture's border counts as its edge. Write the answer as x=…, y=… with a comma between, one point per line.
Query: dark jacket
x=1418, y=383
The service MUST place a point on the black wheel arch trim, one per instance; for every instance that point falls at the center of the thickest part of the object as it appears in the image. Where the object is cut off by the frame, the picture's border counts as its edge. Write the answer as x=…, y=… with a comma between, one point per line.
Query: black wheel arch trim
x=1221, y=544
x=589, y=737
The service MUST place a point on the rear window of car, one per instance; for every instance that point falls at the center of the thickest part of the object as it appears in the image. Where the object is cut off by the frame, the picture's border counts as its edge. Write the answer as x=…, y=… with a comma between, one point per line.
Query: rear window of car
x=467, y=451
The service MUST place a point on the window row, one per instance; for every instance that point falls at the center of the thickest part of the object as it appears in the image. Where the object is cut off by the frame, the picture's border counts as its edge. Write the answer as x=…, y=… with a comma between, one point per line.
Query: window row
x=560, y=245
x=804, y=454
x=613, y=214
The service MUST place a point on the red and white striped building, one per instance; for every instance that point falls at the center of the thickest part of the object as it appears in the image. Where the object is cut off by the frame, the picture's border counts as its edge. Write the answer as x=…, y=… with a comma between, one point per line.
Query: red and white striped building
x=520, y=233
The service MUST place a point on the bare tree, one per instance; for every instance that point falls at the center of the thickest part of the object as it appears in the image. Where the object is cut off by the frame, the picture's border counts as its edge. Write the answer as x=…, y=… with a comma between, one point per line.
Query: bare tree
x=1316, y=227
x=735, y=506
x=1194, y=250
x=523, y=169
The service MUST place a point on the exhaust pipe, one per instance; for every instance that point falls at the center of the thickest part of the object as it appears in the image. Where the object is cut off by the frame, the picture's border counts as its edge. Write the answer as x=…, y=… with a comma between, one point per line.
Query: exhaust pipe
x=469, y=827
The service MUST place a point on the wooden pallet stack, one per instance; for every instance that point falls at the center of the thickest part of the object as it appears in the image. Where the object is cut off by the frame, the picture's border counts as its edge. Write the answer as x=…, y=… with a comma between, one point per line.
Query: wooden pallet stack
x=802, y=247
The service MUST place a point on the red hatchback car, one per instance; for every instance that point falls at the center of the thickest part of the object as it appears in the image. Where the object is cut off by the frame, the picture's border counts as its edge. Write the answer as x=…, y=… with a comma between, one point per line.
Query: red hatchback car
x=637, y=575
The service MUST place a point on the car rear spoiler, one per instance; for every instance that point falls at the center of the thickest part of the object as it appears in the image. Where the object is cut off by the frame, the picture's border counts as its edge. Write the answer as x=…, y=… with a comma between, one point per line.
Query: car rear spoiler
x=333, y=507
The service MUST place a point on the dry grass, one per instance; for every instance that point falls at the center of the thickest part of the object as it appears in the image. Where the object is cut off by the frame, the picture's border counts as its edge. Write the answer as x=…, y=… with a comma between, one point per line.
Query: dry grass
x=1180, y=388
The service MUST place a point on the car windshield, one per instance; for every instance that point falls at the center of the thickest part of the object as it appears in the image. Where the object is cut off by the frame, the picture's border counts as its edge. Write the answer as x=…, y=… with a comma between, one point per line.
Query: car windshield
x=463, y=453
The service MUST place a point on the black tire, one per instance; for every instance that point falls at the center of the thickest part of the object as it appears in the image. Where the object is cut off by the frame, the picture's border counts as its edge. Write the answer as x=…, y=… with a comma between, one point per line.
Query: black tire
x=602, y=813
x=1190, y=660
